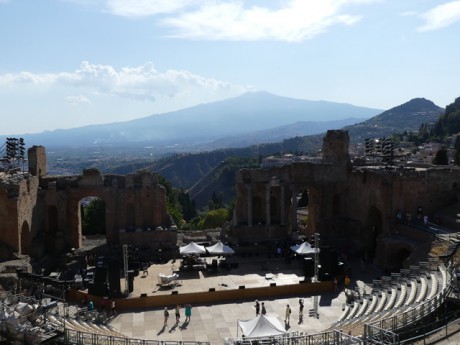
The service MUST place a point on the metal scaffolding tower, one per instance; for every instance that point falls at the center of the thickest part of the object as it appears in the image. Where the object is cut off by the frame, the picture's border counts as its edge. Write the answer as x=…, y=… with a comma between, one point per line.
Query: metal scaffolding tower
x=125, y=267
x=314, y=312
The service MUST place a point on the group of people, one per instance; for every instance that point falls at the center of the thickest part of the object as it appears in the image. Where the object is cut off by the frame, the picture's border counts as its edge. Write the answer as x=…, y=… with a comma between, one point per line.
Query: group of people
x=260, y=310
x=106, y=304
x=188, y=314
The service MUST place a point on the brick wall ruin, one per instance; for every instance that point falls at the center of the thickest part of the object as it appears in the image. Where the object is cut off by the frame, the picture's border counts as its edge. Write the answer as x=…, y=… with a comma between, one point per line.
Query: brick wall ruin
x=39, y=213
x=352, y=207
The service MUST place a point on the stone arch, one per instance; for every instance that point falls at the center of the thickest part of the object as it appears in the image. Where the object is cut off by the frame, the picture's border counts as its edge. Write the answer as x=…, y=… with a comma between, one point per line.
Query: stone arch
x=299, y=212
x=302, y=198
x=73, y=233
x=25, y=238
x=397, y=258
x=274, y=210
x=53, y=224
x=97, y=225
x=258, y=215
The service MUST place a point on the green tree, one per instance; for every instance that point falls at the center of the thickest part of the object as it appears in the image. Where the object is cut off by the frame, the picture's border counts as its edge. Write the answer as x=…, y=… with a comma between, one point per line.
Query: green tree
x=214, y=219
x=93, y=217
x=188, y=206
x=173, y=206
x=441, y=157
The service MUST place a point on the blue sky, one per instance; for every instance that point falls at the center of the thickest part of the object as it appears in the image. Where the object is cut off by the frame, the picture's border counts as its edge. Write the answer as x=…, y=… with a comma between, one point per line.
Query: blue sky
x=70, y=63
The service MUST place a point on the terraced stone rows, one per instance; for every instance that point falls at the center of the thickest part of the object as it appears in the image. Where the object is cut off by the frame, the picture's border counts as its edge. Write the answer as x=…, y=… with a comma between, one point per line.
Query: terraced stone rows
x=386, y=301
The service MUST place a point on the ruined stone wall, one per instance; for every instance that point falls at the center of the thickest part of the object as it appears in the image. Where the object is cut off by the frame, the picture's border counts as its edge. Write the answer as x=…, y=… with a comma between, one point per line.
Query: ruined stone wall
x=40, y=214
x=335, y=147
x=26, y=204
x=8, y=222
x=17, y=204
x=139, y=192
x=353, y=209
x=389, y=191
x=37, y=160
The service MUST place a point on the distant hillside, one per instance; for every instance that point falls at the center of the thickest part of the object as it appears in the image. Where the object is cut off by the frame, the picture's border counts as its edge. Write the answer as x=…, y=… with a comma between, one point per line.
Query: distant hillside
x=272, y=135
x=449, y=123
x=405, y=117
x=185, y=170
x=220, y=181
x=197, y=127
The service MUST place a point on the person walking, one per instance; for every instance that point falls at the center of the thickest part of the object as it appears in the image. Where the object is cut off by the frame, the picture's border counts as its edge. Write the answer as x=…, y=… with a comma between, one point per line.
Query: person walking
x=177, y=313
x=264, y=311
x=287, y=318
x=113, y=307
x=188, y=312
x=301, y=305
x=257, y=306
x=347, y=282
x=166, y=314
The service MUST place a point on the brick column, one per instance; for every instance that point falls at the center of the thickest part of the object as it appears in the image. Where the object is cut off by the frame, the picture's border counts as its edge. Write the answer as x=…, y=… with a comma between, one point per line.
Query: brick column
x=267, y=204
x=249, y=200
x=294, y=207
x=282, y=206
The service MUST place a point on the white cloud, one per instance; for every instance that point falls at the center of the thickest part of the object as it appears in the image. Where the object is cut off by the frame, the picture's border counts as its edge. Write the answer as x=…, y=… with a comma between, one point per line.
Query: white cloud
x=142, y=83
x=441, y=16
x=297, y=21
x=26, y=78
x=79, y=99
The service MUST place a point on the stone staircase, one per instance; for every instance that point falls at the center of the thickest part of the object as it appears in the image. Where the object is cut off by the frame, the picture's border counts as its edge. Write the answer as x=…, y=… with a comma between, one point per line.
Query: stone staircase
x=393, y=295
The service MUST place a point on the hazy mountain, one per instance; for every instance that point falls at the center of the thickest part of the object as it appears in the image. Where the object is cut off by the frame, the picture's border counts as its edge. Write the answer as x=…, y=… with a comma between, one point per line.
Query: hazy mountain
x=204, y=123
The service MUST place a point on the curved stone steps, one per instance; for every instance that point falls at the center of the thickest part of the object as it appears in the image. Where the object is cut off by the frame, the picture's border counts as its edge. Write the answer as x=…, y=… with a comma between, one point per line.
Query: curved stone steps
x=402, y=296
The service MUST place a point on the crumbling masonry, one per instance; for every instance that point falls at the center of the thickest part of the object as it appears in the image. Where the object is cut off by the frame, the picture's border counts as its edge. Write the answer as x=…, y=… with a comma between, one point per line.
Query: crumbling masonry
x=40, y=213
x=352, y=207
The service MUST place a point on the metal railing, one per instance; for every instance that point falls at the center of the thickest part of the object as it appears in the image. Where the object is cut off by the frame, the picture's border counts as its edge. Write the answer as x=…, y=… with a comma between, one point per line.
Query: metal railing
x=335, y=337
x=384, y=331
x=440, y=329
x=83, y=338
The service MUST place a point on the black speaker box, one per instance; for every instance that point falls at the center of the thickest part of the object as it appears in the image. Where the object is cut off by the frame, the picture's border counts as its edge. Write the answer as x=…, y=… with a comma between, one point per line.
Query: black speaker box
x=309, y=267
x=100, y=275
x=114, y=278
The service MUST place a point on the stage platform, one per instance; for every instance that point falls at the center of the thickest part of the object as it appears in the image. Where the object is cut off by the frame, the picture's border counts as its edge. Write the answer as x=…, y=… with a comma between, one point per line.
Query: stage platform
x=215, y=321
x=250, y=272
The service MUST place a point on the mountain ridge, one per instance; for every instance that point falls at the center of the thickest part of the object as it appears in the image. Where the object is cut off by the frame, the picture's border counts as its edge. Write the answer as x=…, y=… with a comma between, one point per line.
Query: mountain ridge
x=204, y=123
x=406, y=117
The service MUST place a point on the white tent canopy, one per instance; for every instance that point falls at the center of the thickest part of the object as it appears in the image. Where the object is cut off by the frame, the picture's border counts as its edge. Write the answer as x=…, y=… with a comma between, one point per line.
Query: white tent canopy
x=304, y=249
x=262, y=326
x=192, y=248
x=220, y=249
